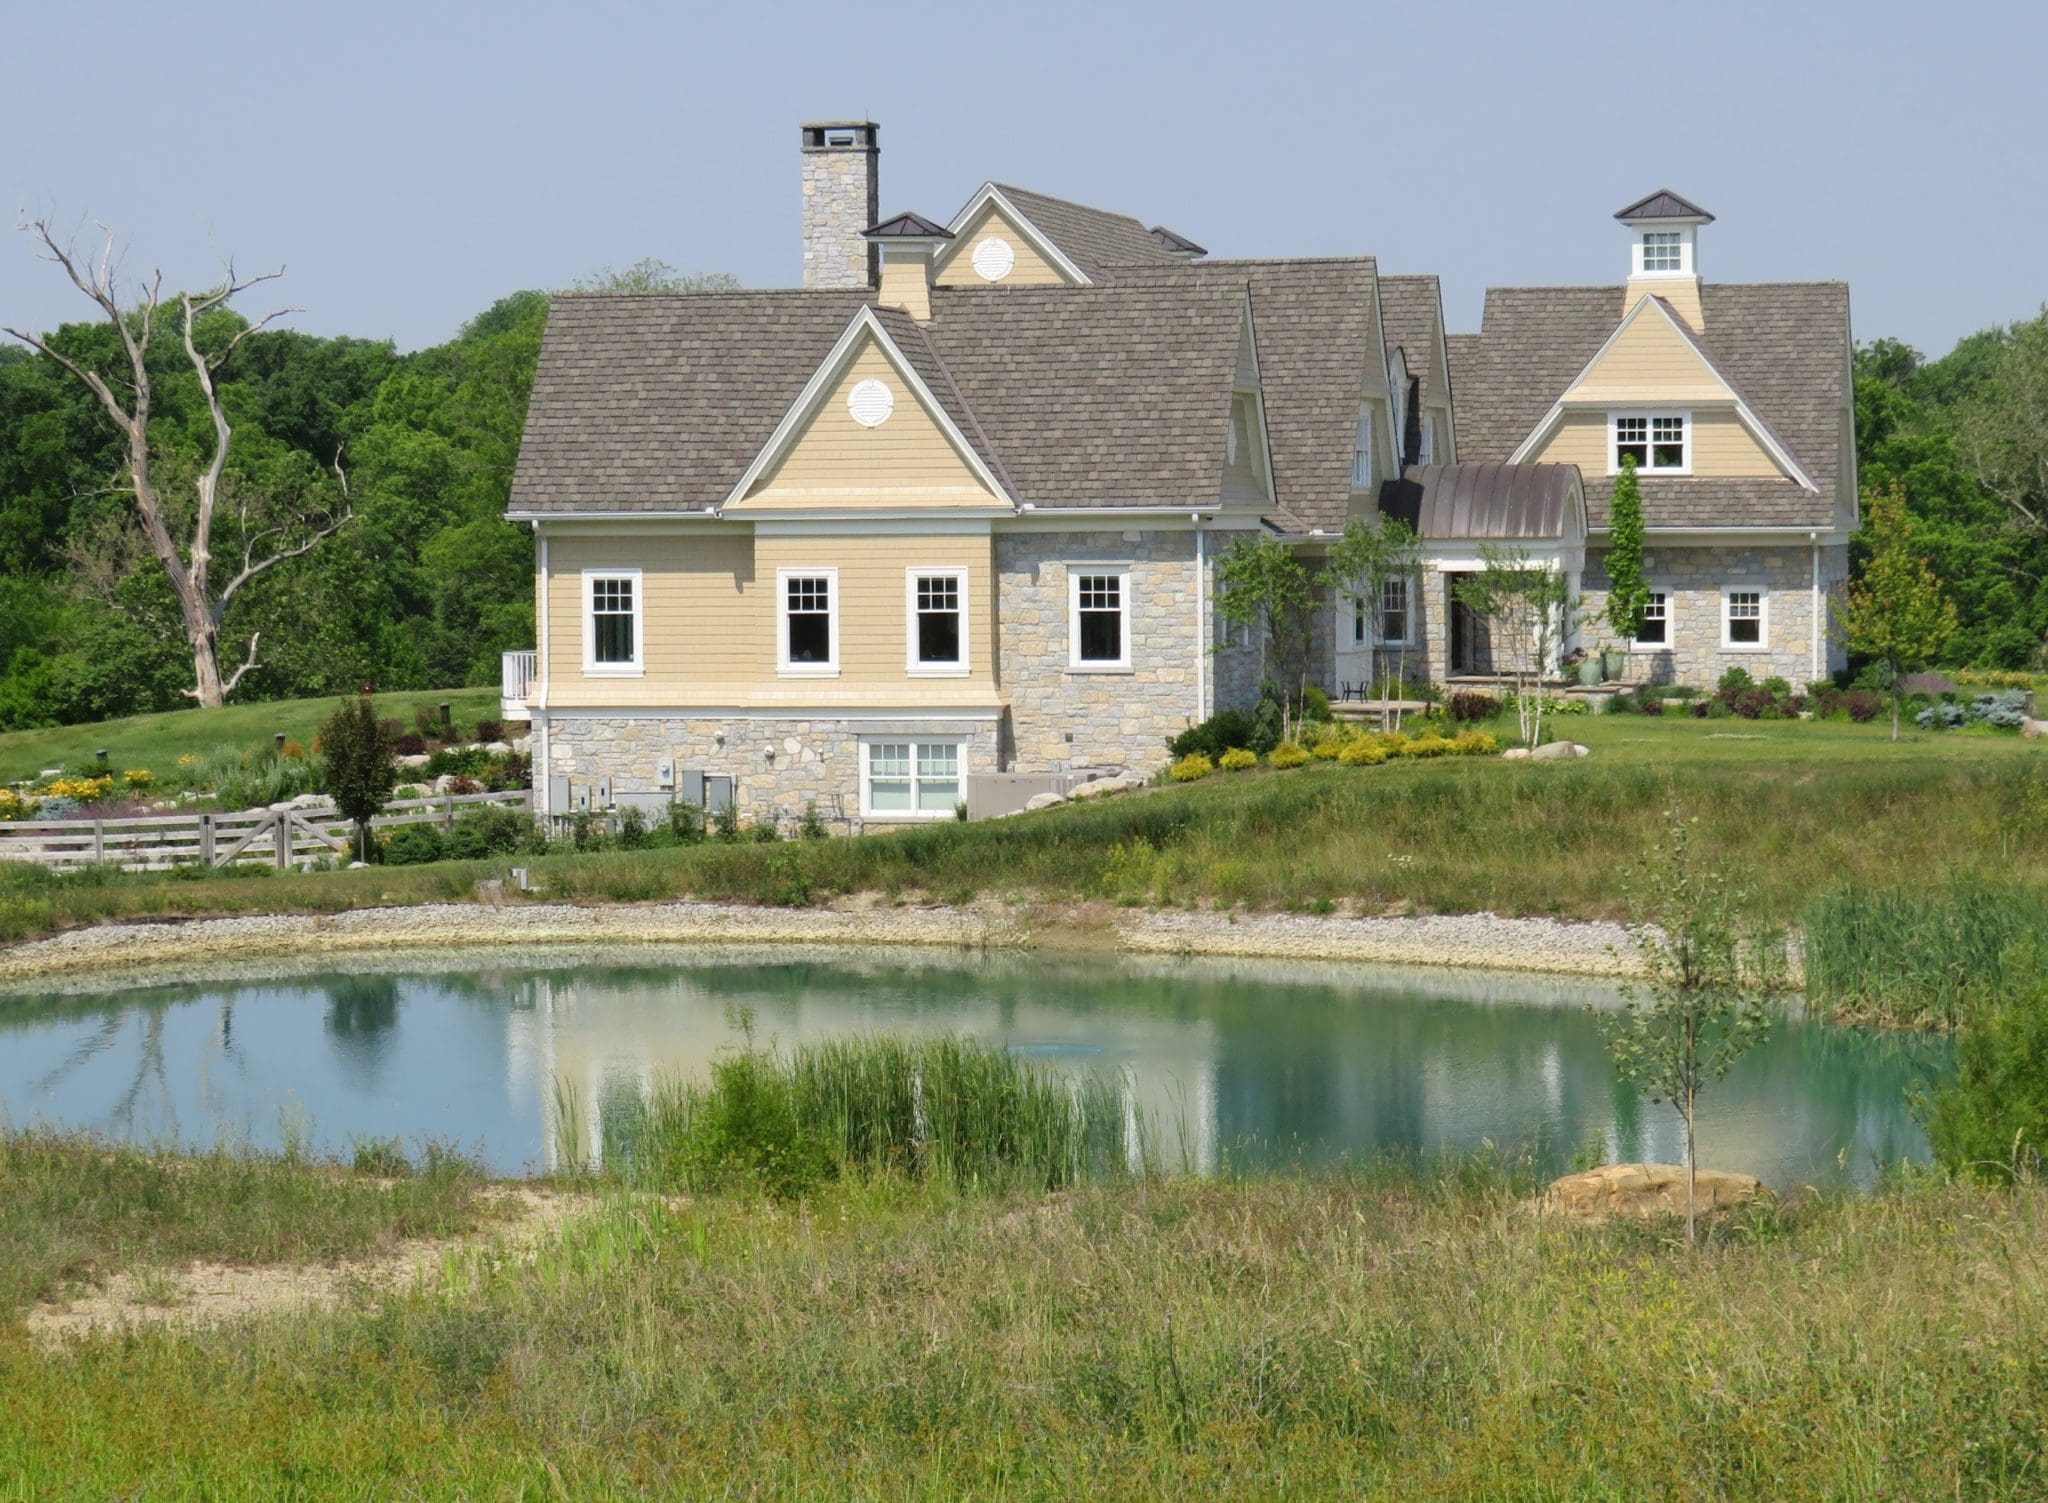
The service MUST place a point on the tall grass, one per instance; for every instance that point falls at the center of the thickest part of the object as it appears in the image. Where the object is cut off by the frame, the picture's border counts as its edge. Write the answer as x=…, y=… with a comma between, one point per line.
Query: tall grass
x=954, y=1111
x=1917, y=955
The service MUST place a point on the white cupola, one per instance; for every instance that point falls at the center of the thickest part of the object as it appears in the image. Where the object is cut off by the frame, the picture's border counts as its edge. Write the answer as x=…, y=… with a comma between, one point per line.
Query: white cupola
x=1664, y=252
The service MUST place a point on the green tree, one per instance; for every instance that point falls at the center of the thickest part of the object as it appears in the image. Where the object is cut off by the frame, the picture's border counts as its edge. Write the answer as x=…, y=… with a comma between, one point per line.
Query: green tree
x=1895, y=610
x=360, y=774
x=1627, y=594
x=1702, y=1001
x=650, y=274
x=1370, y=556
x=1262, y=584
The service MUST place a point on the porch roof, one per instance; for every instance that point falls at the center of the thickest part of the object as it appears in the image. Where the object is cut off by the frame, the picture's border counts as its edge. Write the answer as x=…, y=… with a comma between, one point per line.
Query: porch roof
x=1504, y=502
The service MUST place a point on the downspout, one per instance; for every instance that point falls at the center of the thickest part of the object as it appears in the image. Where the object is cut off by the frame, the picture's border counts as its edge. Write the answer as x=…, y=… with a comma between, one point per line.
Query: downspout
x=1201, y=619
x=539, y=718
x=1818, y=672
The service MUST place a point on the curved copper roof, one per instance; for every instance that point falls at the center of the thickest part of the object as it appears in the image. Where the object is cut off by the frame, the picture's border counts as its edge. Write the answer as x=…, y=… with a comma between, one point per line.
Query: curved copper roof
x=1493, y=502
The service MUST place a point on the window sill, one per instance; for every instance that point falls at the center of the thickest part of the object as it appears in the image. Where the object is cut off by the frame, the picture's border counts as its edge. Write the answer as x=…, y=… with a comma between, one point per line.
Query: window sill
x=1643, y=473
x=900, y=818
x=1649, y=648
x=802, y=670
x=1105, y=668
x=928, y=670
x=1745, y=647
x=613, y=670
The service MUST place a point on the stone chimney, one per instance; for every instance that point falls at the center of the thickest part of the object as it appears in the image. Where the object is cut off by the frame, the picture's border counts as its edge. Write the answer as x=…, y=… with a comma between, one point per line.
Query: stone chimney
x=1664, y=252
x=841, y=199
x=909, y=243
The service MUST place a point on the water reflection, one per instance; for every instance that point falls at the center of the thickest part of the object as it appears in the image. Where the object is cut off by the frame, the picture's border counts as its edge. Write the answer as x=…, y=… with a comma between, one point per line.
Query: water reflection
x=1238, y=1060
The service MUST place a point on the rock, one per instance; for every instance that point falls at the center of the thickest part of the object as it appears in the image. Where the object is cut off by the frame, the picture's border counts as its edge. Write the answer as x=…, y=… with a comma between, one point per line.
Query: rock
x=521, y=744
x=358, y=866
x=1044, y=800
x=1557, y=751
x=500, y=748
x=1515, y=754
x=311, y=801
x=415, y=761
x=445, y=782
x=2034, y=730
x=1646, y=1190
x=1122, y=782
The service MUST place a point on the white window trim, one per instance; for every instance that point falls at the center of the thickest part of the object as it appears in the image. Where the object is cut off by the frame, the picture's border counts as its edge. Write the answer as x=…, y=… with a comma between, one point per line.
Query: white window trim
x=1670, y=641
x=1426, y=453
x=1379, y=616
x=911, y=662
x=914, y=741
x=783, y=666
x=1763, y=617
x=1639, y=252
x=1075, y=662
x=1362, y=430
x=592, y=668
x=1648, y=414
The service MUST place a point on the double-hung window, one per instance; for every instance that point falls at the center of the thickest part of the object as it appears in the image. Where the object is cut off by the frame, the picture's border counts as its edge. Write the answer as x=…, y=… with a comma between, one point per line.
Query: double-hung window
x=1099, y=612
x=936, y=603
x=1361, y=450
x=611, y=621
x=911, y=779
x=1745, y=619
x=1394, y=612
x=807, y=621
x=1659, y=442
x=1654, y=630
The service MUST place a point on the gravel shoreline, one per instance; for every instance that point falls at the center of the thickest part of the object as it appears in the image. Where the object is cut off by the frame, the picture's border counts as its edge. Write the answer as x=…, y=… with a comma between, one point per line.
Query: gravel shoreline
x=1475, y=940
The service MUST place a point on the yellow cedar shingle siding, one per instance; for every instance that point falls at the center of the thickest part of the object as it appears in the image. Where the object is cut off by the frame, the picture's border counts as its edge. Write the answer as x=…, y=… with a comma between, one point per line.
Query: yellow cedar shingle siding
x=1031, y=269
x=1721, y=446
x=708, y=617
x=905, y=461
x=1650, y=362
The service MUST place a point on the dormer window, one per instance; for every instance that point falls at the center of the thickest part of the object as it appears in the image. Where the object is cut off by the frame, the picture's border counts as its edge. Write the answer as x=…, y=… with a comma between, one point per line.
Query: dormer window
x=1663, y=250
x=1361, y=450
x=1659, y=442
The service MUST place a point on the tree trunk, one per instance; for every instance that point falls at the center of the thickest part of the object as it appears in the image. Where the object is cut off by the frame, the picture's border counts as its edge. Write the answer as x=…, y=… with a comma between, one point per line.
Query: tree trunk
x=1895, y=714
x=206, y=686
x=1691, y=1171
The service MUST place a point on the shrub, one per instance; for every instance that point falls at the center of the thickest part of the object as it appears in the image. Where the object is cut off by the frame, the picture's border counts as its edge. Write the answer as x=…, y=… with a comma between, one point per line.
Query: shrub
x=513, y=770
x=358, y=765
x=1286, y=754
x=1470, y=705
x=1778, y=688
x=685, y=823
x=1474, y=744
x=812, y=825
x=482, y=833
x=1363, y=751
x=1190, y=767
x=1330, y=741
x=414, y=845
x=490, y=730
x=1863, y=706
x=725, y=824
x=409, y=744
x=1266, y=721
x=1237, y=759
x=1214, y=736
x=1735, y=678
x=1429, y=744
x=1991, y=1120
x=632, y=828
x=465, y=762
x=1315, y=704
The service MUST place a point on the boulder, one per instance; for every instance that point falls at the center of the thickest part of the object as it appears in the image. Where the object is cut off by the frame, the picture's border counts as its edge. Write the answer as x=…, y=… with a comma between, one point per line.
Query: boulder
x=521, y=744
x=1646, y=1190
x=311, y=801
x=1515, y=754
x=1044, y=800
x=498, y=748
x=2034, y=730
x=415, y=761
x=1122, y=782
x=1558, y=751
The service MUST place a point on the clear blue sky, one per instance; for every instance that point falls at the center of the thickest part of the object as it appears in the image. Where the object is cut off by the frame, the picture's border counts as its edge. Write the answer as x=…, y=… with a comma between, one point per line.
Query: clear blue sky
x=410, y=163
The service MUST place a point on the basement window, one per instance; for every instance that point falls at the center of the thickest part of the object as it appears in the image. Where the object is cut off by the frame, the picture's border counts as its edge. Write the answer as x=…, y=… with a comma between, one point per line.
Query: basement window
x=911, y=779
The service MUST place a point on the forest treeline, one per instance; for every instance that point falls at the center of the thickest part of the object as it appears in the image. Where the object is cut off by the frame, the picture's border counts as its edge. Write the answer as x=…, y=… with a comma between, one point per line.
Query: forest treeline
x=427, y=583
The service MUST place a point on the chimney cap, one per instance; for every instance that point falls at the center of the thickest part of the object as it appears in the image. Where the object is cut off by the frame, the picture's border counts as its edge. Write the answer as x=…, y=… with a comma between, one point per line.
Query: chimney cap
x=907, y=226
x=840, y=135
x=1664, y=204
x=1176, y=245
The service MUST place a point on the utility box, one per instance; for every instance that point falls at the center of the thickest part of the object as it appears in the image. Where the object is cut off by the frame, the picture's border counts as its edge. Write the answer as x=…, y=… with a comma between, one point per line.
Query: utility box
x=665, y=772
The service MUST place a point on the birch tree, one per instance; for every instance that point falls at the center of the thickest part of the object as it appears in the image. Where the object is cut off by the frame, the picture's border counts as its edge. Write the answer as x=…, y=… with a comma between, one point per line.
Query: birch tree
x=179, y=515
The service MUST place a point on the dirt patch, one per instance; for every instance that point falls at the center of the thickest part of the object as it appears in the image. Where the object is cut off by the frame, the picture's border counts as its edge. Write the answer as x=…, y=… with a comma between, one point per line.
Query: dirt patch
x=207, y=1293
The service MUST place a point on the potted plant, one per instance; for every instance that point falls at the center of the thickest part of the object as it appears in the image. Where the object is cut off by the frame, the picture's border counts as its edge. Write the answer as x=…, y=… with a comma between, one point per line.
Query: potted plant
x=1613, y=662
x=1586, y=663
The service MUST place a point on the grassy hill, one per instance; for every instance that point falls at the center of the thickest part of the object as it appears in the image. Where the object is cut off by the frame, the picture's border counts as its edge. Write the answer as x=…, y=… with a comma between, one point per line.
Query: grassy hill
x=153, y=741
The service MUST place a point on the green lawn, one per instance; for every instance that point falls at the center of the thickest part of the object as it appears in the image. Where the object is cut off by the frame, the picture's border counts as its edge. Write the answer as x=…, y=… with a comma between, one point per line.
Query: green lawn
x=1801, y=806
x=157, y=741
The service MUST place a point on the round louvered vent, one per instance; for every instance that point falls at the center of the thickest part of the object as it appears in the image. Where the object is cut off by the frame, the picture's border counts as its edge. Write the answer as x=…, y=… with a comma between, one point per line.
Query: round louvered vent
x=993, y=258
x=870, y=402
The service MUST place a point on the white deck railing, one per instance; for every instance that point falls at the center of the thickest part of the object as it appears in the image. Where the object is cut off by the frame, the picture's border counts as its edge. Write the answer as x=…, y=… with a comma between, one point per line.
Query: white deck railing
x=516, y=676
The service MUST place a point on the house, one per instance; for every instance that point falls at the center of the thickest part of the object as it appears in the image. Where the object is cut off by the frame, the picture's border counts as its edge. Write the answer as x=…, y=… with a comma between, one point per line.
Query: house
x=950, y=513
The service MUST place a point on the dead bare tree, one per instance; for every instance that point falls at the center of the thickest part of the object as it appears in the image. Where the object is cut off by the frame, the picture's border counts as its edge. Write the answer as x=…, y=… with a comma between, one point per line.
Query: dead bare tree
x=188, y=564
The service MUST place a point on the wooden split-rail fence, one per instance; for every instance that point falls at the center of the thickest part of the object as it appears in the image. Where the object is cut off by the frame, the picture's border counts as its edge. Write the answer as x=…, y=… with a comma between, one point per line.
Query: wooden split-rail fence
x=284, y=838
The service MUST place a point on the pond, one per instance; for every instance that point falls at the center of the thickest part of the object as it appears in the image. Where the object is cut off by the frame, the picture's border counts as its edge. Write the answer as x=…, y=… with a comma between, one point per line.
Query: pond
x=1235, y=1063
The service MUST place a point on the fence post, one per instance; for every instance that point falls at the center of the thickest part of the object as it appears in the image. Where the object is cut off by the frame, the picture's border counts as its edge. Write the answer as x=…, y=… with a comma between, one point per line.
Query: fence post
x=448, y=808
x=99, y=840
x=281, y=829
x=206, y=840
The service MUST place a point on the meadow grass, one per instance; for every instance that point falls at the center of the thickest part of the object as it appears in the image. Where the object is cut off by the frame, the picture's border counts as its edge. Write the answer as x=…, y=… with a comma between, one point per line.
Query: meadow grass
x=74, y=1209
x=1378, y=1332
x=157, y=741
x=1919, y=956
x=1800, y=806
x=957, y=1111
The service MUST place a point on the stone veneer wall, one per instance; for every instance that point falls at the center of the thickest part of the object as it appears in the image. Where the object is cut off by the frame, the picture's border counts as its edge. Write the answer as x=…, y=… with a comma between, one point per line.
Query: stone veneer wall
x=841, y=199
x=1062, y=717
x=814, y=760
x=1694, y=577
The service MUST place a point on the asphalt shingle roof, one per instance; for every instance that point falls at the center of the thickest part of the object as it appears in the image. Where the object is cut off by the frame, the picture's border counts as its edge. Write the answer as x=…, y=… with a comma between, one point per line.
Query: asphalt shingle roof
x=1411, y=307
x=1091, y=238
x=1783, y=346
